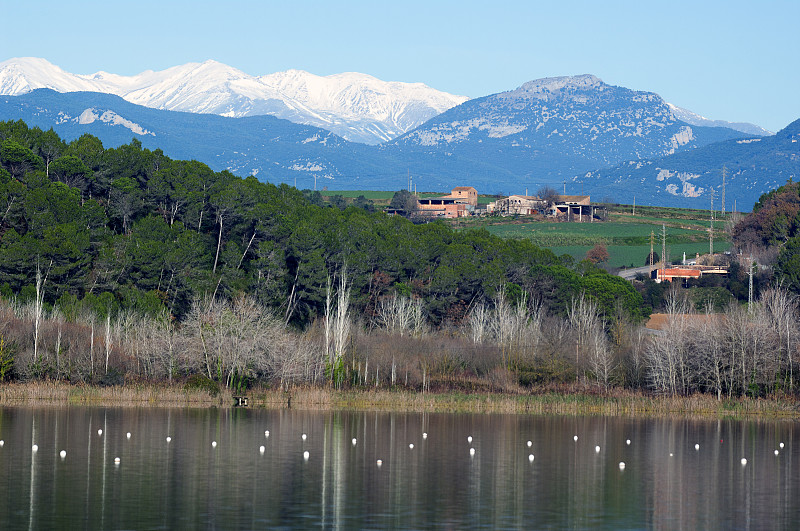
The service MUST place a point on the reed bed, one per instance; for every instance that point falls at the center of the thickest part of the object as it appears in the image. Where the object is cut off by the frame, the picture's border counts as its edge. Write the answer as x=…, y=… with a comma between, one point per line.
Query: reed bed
x=572, y=400
x=580, y=402
x=123, y=395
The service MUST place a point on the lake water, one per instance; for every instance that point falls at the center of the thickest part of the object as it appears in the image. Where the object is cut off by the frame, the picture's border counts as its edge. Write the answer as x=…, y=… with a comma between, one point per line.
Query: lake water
x=189, y=484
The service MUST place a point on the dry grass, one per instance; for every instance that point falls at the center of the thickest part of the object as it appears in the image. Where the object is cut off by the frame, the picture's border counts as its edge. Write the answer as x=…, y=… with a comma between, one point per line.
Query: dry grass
x=127, y=395
x=567, y=400
x=550, y=400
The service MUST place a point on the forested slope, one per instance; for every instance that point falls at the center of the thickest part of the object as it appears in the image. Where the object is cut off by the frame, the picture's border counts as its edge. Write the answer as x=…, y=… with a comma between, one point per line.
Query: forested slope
x=129, y=228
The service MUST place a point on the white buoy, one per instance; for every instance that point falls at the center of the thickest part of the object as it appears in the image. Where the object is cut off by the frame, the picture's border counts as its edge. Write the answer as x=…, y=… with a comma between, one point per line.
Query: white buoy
x=469, y=438
x=530, y=458
x=305, y=455
x=169, y=439
x=304, y=436
x=424, y=435
x=781, y=445
x=213, y=444
x=776, y=452
x=266, y=433
x=379, y=462
x=63, y=454
x=621, y=465
x=117, y=460
x=575, y=438
x=472, y=451
x=99, y=432
x=530, y=444
x=597, y=449
x=696, y=446
x=35, y=447
x=670, y=455
x=628, y=442
x=354, y=441
x=744, y=461
x=261, y=449
x=2, y=443
x=411, y=446
x=128, y=435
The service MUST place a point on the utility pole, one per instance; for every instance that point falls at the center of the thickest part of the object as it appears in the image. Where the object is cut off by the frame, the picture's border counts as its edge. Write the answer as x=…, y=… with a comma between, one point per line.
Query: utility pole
x=711, y=227
x=634, y=205
x=663, y=251
x=652, y=235
x=750, y=287
x=724, y=174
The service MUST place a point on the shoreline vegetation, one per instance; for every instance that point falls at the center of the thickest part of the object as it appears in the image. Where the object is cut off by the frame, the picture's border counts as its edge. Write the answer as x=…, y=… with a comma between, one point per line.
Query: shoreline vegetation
x=565, y=400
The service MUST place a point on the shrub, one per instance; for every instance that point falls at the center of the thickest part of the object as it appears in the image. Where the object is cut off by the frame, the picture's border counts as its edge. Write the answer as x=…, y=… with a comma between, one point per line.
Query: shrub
x=201, y=382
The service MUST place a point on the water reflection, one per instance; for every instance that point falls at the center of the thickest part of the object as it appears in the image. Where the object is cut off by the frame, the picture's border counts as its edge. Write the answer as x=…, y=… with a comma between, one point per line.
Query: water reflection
x=188, y=483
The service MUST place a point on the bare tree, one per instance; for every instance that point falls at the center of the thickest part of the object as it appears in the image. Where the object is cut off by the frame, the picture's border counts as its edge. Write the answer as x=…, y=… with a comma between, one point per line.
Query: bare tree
x=666, y=354
x=341, y=321
x=478, y=323
x=584, y=316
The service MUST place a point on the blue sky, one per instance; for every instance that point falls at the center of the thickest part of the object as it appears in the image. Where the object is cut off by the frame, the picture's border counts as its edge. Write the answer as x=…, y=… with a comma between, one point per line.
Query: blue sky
x=729, y=60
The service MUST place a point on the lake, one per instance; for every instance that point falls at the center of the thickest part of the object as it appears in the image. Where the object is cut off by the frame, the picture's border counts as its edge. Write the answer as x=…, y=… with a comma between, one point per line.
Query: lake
x=496, y=481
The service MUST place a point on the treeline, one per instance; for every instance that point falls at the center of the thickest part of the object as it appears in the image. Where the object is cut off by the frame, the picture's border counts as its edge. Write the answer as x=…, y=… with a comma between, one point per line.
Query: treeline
x=129, y=228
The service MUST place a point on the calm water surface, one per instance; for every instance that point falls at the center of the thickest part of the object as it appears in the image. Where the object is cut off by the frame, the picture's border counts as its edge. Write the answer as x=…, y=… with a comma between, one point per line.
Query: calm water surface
x=189, y=484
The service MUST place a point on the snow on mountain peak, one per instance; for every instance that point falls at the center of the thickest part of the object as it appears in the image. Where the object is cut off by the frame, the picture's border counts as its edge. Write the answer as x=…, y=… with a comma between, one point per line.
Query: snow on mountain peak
x=356, y=106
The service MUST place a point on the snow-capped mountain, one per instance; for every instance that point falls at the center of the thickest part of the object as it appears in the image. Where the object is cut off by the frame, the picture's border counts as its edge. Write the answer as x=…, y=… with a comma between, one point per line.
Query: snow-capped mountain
x=357, y=107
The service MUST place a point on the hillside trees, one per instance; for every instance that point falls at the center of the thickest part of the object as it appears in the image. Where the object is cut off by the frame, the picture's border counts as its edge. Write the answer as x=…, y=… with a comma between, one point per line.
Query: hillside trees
x=130, y=229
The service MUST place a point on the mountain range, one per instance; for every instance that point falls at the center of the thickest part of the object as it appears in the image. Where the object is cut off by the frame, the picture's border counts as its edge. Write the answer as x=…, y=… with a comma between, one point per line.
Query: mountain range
x=577, y=132
x=357, y=107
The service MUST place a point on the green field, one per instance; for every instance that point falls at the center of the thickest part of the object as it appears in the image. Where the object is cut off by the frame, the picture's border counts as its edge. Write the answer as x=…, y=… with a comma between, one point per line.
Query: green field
x=635, y=255
x=606, y=233
x=627, y=238
x=372, y=195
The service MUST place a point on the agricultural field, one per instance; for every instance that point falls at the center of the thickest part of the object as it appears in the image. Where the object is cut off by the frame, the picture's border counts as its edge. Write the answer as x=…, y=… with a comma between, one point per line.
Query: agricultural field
x=635, y=255
x=547, y=234
x=625, y=236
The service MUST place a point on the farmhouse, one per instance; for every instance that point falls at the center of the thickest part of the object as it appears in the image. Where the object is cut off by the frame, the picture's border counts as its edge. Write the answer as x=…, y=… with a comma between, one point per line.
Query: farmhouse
x=461, y=202
x=565, y=207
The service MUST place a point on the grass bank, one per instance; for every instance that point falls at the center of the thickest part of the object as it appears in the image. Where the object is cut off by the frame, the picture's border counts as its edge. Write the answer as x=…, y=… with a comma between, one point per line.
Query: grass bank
x=144, y=394
x=565, y=400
